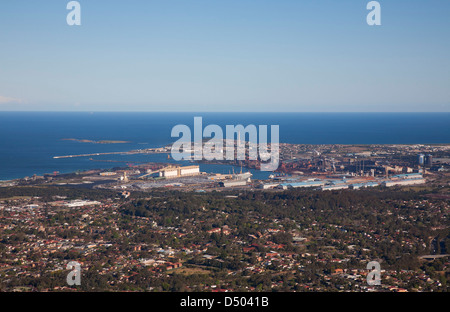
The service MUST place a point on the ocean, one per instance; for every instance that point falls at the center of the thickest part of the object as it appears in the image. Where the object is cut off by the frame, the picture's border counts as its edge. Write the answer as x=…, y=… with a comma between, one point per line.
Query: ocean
x=30, y=140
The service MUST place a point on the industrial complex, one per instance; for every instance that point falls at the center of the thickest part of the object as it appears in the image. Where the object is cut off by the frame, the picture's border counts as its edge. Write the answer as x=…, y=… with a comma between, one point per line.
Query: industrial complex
x=319, y=167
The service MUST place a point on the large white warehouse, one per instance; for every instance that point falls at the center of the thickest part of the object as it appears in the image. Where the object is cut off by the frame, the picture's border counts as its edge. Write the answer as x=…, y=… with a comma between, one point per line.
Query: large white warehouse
x=175, y=172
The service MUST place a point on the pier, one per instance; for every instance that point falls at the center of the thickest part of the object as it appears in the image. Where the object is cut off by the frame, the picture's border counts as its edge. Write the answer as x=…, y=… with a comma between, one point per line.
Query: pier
x=146, y=151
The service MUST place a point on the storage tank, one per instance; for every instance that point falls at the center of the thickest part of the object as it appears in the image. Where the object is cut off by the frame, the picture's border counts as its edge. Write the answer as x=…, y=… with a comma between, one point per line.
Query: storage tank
x=429, y=160
x=421, y=159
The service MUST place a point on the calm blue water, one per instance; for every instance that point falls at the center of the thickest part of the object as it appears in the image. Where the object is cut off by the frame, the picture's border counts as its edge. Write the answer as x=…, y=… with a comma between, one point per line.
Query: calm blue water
x=29, y=140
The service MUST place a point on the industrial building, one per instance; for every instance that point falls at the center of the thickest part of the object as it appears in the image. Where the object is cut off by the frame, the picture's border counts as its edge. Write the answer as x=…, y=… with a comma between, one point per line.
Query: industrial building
x=429, y=160
x=81, y=203
x=359, y=185
x=268, y=186
x=423, y=159
x=286, y=186
x=334, y=187
x=232, y=183
x=237, y=179
x=107, y=173
x=403, y=182
x=176, y=172
x=408, y=176
x=405, y=179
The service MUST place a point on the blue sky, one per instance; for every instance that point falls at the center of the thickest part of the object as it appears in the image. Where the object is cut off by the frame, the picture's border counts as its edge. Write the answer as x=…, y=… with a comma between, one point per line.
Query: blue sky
x=233, y=55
